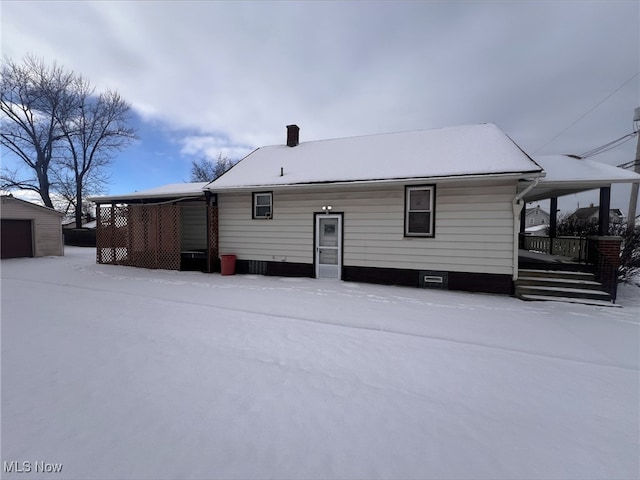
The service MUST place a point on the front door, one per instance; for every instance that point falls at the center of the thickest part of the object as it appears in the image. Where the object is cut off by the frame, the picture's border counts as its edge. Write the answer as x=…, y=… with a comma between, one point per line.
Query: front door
x=328, y=246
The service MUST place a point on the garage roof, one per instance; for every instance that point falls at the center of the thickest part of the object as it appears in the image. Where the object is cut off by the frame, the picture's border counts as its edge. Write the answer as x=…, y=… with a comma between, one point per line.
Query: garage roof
x=11, y=198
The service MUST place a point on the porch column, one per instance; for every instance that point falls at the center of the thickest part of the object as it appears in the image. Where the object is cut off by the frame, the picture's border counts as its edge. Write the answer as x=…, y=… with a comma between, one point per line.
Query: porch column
x=98, y=233
x=604, y=253
x=553, y=218
x=112, y=225
x=605, y=202
x=523, y=219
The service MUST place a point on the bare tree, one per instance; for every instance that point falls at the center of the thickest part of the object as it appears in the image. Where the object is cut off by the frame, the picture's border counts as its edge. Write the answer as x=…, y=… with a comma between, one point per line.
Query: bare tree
x=205, y=170
x=94, y=134
x=62, y=131
x=34, y=98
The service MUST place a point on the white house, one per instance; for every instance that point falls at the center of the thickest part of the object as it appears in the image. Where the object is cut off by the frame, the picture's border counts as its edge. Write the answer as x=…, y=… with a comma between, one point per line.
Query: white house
x=536, y=216
x=435, y=207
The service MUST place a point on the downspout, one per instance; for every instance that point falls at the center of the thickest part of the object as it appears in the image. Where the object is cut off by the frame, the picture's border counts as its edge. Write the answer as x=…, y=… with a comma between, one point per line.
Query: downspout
x=518, y=205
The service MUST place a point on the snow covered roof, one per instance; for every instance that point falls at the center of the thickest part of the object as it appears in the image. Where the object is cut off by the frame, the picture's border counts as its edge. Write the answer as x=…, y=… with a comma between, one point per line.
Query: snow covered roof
x=536, y=209
x=584, y=213
x=173, y=190
x=566, y=175
x=446, y=152
x=10, y=198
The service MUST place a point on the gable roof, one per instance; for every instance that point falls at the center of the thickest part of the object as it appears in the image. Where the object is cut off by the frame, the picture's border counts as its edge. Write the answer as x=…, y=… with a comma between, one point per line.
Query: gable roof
x=446, y=152
x=170, y=191
x=11, y=198
x=531, y=211
x=584, y=213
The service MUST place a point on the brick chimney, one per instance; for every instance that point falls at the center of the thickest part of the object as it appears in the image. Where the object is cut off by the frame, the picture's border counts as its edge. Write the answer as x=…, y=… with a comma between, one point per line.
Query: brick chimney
x=293, y=135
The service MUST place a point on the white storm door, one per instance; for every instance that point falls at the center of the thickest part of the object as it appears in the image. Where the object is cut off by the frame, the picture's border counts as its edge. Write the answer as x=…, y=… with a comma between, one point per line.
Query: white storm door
x=328, y=246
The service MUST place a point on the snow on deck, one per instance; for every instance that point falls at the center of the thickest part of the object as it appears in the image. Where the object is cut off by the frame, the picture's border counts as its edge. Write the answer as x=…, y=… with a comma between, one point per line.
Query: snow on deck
x=119, y=372
x=453, y=151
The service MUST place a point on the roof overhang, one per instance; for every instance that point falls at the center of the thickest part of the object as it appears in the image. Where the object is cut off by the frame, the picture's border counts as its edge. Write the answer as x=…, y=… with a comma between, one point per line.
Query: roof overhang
x=168, y=193
x=375, y=182
x=566, y=175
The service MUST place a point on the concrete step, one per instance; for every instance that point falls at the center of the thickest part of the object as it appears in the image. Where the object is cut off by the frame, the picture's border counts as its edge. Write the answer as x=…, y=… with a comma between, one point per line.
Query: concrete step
x=556, y=274
x=549, y=291
x=583, y=301
x=558, y=282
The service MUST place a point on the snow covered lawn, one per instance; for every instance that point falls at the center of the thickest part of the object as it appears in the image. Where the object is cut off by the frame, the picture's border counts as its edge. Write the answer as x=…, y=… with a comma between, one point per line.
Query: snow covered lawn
x=118, y=372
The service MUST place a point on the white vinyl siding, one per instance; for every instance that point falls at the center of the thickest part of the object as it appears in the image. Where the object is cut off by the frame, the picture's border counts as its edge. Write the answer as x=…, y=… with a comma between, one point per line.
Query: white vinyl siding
x=288, y=236
x=473, y=227
x=193, y=227
x=46, y=225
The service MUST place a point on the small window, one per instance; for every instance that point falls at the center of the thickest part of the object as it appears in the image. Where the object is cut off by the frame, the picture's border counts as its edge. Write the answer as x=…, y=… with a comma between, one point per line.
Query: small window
x=262, y=205
x=419, y=211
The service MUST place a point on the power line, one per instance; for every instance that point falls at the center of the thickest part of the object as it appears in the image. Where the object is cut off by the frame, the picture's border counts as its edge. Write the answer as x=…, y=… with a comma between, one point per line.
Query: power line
x=629, y=165
x=588, y=111
x=608, y=146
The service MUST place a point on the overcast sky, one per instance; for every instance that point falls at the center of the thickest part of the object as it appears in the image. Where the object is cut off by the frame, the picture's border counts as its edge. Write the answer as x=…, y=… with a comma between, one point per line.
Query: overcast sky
x=226, y=77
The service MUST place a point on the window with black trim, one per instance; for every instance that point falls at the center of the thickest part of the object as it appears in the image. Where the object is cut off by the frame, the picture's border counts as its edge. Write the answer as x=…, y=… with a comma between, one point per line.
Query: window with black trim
x=263, y=205
x=419, y=211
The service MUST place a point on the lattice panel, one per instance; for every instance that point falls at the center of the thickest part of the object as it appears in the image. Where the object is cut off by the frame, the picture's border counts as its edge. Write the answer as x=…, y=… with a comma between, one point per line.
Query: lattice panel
x=146, y=236
x=154, y=236
x=212, y=216
x=111, y=234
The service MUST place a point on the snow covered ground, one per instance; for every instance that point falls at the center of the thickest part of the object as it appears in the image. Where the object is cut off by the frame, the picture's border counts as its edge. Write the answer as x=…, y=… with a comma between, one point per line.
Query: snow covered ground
x=118, y=372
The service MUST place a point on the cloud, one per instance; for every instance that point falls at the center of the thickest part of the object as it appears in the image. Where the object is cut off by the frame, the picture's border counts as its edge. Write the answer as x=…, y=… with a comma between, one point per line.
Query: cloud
x=230, y=75
x=210, y=147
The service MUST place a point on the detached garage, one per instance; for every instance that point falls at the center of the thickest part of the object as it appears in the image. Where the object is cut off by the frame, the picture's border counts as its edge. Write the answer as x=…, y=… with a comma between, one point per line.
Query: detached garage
x=29, y=230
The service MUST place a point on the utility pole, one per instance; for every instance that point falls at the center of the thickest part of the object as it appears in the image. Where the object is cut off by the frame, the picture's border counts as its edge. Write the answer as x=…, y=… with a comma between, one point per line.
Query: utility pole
x=633, y=200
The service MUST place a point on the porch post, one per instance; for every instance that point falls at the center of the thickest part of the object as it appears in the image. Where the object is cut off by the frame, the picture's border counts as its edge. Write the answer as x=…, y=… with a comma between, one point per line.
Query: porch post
x=98, y=233
x=605, y=201
x=523, y=219
x=113, y=233
x=553, y=218
x=207, y=197
x=553, y=222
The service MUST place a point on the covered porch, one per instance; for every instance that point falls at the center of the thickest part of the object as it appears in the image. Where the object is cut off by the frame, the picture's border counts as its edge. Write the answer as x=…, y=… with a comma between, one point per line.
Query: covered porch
x=598, y=254
x=171, y=228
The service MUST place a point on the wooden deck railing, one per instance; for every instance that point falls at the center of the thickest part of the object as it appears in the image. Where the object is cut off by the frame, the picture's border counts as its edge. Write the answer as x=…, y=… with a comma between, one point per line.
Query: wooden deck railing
x=602, y=254
x=572, y=247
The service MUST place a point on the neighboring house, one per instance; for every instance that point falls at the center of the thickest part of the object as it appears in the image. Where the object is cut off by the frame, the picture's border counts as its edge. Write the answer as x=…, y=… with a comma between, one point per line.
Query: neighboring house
x=29, y=230
x=536, y=216
x=592, y=214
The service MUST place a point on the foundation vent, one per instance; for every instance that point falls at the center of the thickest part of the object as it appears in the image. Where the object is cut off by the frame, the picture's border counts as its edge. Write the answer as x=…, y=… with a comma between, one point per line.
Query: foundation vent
x=434, y=279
